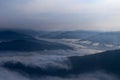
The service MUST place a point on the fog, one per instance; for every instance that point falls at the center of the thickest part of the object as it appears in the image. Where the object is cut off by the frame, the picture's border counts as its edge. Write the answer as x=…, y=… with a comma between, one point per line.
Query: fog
x=45, y=62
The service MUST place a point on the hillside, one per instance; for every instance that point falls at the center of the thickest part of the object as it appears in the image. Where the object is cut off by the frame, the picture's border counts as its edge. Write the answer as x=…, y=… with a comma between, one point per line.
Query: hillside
x=31, y=45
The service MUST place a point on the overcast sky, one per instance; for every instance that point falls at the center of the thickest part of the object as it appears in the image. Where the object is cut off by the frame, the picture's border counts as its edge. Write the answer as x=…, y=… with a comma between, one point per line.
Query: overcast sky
x=61, y=14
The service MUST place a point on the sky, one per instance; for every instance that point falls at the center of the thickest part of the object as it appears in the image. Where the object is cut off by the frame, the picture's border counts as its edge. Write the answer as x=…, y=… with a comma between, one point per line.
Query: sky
x=103, y=15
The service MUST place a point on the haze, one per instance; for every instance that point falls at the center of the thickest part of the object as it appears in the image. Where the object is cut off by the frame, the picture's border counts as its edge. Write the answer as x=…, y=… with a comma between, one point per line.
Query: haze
x=103, y=15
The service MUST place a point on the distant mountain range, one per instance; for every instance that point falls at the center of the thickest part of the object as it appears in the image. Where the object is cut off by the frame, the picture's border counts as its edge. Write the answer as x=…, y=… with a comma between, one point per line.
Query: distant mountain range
x=11, y=40
x=112, y=38
x=93, y=36
x=94, y=40
x=69, y=34
x=102, y=39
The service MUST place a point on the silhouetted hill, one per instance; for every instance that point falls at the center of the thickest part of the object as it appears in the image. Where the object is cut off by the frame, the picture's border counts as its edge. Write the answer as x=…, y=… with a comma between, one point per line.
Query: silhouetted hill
x=108, y=61
x=31, y=45
x=12, y=35
x=106, y=37
x=32, y=32
x=70, y=34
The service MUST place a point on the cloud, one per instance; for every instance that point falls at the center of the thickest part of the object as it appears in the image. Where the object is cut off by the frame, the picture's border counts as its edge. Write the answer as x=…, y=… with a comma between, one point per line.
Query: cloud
x=61, y=14
x=60, y=6
x=70, y=6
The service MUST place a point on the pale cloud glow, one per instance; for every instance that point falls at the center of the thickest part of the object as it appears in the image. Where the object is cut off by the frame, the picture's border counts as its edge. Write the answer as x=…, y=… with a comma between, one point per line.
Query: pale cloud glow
x=71, y=6
x=61, y=14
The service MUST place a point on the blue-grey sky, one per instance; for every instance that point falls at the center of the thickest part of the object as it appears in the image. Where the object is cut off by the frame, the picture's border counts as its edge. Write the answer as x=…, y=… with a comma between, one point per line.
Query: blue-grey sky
x=61, y=14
